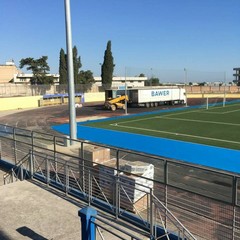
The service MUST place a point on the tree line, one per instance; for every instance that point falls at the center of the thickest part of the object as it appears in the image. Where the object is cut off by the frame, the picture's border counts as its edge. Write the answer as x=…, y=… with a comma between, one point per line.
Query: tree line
x=40, y=69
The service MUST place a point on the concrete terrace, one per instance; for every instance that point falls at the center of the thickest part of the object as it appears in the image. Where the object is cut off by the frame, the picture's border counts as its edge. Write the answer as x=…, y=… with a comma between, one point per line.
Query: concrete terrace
x=32, y=210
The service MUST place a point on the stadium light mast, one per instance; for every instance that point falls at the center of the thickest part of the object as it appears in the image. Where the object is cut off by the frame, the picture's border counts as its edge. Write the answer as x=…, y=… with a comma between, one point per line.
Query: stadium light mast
x=126, y=96
x=71, y=93
x=185, y=83
x=224, y=94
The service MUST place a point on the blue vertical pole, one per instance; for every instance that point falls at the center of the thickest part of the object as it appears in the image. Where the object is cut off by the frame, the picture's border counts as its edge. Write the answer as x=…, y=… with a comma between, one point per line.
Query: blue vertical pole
x=88, y=216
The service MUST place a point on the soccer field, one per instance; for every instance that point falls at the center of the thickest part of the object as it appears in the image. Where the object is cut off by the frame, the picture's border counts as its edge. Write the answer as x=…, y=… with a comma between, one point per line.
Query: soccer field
x=217, y=125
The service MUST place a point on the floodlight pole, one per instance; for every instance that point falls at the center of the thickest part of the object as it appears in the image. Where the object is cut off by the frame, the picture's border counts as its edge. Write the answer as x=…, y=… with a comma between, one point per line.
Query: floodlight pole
x=71, y=93
x=126, y=112
x=224, y=95
x=185, y=83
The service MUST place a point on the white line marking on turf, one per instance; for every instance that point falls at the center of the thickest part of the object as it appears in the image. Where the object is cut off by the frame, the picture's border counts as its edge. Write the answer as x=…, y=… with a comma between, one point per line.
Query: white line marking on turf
x=237, y=110
x=209, y=112
x=212, y=112
x=178, y=134
x=221, y=107
x=200, y=121
x=148, y=118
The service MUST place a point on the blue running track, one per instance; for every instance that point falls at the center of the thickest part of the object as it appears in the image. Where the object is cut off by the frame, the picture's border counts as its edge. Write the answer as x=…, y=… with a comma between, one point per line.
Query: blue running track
x=213, y=157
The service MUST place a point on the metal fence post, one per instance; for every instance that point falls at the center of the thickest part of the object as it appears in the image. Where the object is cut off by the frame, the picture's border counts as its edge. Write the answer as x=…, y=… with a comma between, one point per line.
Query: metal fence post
x=235, y=202
x=47, y=171
x=151, y=213
x=21, y=172
x=32, y=142
x=89, y=187
x=88, y=216
x=82, y=167
x=31, y=163
x=15, y=146
x=12, y=174
x=117, y=186
x=66, y=170
x=166, y=190
x=55, y=157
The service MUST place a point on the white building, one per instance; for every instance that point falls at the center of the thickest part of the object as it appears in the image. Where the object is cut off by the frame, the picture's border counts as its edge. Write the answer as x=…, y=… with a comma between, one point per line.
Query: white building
x=120, y=81
x=26, y=77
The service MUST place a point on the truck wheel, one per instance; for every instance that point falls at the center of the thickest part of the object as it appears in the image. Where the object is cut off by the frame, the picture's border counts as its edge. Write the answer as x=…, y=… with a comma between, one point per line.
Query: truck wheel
x=113, y=107
x=147, y=105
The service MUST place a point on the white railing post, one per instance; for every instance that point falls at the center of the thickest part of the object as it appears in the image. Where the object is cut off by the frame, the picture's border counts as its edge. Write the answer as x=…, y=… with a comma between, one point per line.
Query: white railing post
x=31, y=164
x=66, y=170
x=21, y=172
x=15, y=146
x=151, y=213
x=47, y=171
x=117, y=188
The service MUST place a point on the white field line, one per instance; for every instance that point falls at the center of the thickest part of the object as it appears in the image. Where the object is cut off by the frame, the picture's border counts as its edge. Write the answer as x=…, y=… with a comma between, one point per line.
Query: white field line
x=175, y=114
x=176, y=134
x=231, y=111
x=168, y=116
x=143, y=119
x=212, y=112
x=226, y=106
x=209, y=112
x=200, y=121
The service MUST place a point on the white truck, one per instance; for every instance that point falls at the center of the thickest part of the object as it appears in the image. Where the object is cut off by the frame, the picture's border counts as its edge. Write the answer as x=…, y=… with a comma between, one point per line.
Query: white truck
x=151, y=96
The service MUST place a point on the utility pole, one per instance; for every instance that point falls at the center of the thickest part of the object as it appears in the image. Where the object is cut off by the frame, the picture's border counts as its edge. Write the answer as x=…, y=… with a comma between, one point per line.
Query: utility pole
x=126, y=95
x=71, y=92
x=185, y=83
x=224, y=94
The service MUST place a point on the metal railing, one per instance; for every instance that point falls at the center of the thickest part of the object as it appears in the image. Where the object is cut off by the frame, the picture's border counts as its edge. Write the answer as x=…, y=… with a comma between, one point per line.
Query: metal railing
x=114, y=230
x=205, y=201
x=20, y=171
x=67, y=177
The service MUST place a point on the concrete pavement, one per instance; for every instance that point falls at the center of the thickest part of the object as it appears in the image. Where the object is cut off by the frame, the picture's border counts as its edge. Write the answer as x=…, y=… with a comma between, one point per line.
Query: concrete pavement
x=32, y=210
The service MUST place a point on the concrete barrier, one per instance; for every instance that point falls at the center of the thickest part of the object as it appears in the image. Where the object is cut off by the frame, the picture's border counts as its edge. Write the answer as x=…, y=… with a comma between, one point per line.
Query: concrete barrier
x=13, y=103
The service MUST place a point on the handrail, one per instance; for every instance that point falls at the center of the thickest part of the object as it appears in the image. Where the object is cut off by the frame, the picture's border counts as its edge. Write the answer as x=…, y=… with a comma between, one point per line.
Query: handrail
x=115, y=227
x=147, y=190
x=182, y=227
x=11, y=172
x=131, y=151
x=149, y=222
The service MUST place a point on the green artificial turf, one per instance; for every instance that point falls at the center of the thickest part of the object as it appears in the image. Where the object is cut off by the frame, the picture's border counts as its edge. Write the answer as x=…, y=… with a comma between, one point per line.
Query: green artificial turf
x=217, y=126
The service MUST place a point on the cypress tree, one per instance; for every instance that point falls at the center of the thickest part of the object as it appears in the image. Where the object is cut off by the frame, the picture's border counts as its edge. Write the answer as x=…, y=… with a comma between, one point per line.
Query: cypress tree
x=76, y=64
x=62, y=67
x=107, y=67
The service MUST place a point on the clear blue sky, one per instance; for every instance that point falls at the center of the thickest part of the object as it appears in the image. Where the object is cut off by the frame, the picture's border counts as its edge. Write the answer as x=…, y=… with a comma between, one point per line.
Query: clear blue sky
x=199, y=35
